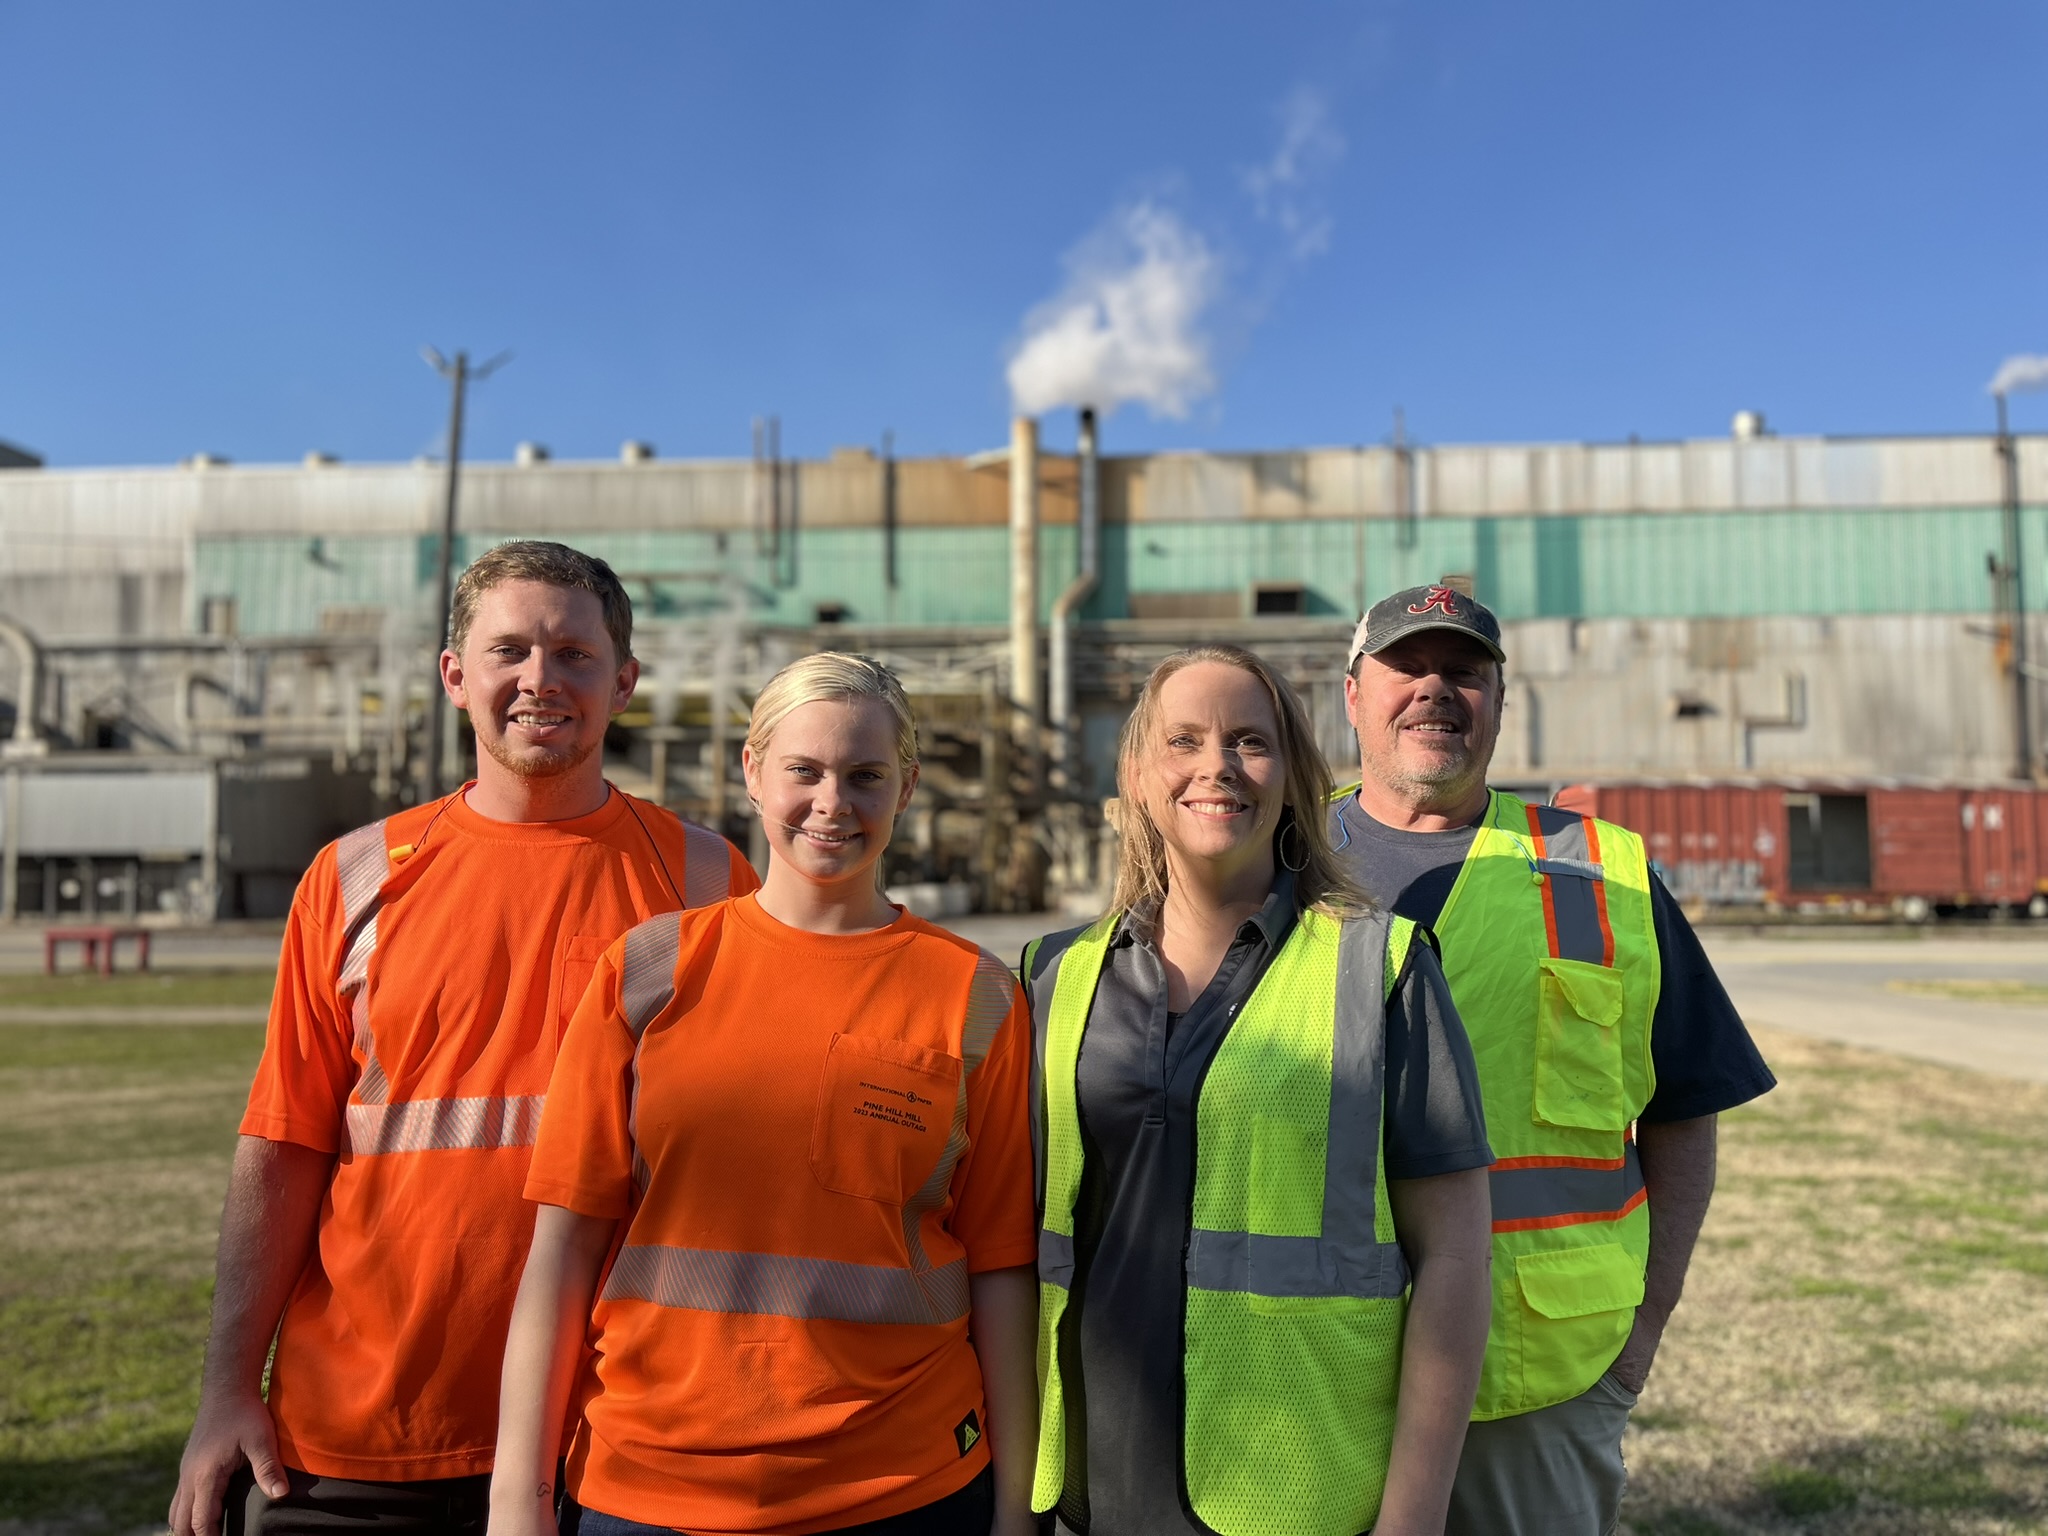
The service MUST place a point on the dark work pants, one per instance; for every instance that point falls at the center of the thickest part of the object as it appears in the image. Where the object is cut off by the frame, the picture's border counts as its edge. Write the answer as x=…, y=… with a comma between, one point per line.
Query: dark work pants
x=317, y=1506
x=969, y=1512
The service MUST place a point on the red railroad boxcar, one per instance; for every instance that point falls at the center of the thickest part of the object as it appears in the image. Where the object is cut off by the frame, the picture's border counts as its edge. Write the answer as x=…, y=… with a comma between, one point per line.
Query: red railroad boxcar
x=1792, y=842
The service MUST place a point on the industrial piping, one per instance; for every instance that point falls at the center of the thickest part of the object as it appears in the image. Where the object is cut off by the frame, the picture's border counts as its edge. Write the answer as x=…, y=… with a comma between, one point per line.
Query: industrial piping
x=1026, y=698
x=28, y=703
x=1060, y=641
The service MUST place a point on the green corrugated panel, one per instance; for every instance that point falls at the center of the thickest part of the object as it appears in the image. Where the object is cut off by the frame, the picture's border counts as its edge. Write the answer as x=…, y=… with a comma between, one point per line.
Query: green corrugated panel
x=1811, y=562
x=1631, y=566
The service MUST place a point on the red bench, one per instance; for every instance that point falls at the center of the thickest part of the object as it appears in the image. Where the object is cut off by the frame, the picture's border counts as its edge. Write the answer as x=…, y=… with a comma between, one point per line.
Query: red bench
x=96, y=946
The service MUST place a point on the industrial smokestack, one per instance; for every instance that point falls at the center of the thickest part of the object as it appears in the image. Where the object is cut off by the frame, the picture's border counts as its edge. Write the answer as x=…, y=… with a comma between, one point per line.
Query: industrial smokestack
x=1065, y=609
x=1024, y=690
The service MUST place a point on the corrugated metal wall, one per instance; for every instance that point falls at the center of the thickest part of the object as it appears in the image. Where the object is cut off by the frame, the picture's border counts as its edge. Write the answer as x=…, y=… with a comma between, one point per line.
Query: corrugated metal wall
x=1716, y=528
x=150, y=814
x=1744, y=564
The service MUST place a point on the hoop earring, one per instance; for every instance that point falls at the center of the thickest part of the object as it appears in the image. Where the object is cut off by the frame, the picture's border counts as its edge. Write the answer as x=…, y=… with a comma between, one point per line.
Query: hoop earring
x=1280, y=847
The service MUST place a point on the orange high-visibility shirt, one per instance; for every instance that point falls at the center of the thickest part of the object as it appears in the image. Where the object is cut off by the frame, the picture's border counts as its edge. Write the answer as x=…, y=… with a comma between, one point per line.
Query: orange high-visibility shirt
x=810, y=1142
x=429, y=965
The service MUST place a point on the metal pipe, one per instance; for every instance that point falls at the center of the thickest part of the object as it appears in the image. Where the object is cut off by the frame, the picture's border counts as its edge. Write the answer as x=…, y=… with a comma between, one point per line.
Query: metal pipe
x=1025, y=698
x=28, y=701
x=889, y=515
x=1065, y=608
x=430, y=777
x=2016, y=602
x=10, y=849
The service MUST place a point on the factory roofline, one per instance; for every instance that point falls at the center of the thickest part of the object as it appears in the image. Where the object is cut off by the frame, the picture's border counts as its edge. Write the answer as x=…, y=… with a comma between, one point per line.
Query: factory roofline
x=998, y=456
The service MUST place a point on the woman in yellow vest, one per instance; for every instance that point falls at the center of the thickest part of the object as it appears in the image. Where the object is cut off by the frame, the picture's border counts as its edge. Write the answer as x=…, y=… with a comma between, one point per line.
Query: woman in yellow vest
x=1261, y=1157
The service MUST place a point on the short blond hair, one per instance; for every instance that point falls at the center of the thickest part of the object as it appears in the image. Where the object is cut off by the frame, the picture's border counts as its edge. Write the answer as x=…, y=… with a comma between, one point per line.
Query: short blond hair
x=556, y=564
x=1320, y=880
x=835, y=677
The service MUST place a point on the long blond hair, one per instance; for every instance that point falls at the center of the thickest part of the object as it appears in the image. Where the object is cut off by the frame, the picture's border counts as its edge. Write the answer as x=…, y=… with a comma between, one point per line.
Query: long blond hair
x=1319, y=880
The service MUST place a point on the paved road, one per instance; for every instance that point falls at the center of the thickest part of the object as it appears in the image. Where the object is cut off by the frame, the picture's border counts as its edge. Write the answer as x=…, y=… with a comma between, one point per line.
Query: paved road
x=1837, y=989
x=1813, y=983
x=227, y=946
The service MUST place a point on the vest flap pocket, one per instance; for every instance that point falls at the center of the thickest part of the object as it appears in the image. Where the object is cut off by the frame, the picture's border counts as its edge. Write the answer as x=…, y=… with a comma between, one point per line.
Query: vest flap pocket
x=1577, y=1282
x=1579, y=1077
x=1593, y=992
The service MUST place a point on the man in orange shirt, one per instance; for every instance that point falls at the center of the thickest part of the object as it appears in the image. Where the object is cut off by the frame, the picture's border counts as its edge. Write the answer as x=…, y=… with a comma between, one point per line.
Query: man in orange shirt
x=375, y=1224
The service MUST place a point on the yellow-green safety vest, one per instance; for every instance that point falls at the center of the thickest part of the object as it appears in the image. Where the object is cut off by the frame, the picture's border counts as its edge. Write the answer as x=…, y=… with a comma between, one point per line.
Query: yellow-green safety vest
x=1294, y=1287
x=1550, y=949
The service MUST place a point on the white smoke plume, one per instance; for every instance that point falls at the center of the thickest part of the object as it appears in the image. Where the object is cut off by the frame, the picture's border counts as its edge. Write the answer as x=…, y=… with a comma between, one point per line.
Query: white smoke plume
x=2018, y=373
x=1127, y=327
x=1283, y=190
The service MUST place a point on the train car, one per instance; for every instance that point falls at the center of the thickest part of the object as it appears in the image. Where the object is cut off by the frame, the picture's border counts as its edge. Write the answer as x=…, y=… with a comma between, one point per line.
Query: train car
x=1883, y=845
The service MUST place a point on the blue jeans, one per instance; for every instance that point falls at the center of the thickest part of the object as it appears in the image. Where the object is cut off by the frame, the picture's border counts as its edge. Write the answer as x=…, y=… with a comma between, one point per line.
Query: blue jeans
x=969, y=1512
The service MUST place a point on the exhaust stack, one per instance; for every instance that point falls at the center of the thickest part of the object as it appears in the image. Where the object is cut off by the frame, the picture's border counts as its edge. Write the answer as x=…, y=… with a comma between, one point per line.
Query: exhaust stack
x=1026, y=698
x=1067, y=606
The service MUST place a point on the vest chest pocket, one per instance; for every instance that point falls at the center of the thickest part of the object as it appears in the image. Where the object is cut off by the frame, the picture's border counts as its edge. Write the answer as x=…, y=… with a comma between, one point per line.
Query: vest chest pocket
x=1578, y=1046
x=885, y=1110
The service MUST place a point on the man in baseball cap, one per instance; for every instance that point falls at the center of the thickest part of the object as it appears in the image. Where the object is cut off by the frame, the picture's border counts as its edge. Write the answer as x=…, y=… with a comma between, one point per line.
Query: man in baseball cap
x=1418, y=610
x=1605, y=1046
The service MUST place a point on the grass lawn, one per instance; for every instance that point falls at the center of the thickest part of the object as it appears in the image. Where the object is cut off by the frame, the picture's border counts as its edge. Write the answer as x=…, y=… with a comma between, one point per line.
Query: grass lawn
x=138, y=989
x=114, y=1148
x=1863, y=1346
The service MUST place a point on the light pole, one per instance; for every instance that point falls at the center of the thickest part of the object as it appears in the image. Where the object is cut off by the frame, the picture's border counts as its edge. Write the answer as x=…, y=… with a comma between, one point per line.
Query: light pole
x=459, y=374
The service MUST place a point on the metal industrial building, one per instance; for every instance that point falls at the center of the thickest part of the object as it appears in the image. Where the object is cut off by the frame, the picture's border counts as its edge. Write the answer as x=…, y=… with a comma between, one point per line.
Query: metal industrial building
x=1751, y=606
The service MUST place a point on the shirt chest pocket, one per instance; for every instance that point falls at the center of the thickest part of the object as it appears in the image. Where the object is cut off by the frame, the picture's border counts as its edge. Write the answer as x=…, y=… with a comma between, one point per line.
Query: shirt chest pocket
x=884, y=1113
x=580, y=954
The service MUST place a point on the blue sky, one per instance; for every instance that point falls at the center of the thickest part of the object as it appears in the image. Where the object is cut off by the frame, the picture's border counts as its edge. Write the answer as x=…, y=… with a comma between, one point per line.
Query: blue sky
x=230, y=227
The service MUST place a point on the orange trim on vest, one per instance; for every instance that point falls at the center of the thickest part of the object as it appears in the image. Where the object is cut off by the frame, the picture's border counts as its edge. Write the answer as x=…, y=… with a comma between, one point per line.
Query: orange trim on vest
x=1599, y=893
x=1549, y=899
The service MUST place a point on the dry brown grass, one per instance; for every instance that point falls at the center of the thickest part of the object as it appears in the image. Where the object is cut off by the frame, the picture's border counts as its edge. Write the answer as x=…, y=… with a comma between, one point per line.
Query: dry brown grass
x=1863, y=1344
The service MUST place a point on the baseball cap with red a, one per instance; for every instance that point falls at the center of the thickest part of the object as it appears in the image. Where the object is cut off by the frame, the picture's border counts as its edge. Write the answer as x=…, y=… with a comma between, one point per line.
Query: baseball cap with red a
x=1419, y=608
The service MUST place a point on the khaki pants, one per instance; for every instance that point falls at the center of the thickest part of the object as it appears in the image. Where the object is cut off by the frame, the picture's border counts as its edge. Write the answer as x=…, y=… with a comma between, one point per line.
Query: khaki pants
x=1554, y=1472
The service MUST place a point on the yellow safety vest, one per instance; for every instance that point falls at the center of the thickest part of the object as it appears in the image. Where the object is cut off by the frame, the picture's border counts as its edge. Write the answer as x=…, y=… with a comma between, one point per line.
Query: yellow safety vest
x=1294, y=1288
x=1551, y=953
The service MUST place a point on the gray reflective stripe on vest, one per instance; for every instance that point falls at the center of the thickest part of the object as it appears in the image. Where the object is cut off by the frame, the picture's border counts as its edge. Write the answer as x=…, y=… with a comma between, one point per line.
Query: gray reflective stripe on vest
x=444, y=1125
x=647, y=983
x=1557, y=1195
x=707, y=866
x=1055, y=1258
x=1567, y=863
x=1348, y=1259
x=779, y=1285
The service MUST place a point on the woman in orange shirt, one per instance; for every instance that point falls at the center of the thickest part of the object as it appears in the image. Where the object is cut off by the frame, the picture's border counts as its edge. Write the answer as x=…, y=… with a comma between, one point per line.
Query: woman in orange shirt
x=789, y=1135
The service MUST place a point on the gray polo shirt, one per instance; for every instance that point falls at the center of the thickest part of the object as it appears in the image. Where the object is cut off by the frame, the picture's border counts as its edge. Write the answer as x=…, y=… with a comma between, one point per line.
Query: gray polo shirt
x=1138, y=1076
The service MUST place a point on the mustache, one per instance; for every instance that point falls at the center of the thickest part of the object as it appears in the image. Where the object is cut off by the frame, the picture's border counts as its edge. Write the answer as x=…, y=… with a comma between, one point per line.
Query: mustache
x=1436, y=715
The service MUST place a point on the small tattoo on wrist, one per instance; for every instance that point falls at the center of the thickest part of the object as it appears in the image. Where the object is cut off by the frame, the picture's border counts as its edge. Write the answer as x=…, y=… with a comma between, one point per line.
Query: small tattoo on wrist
x=541, y=1492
